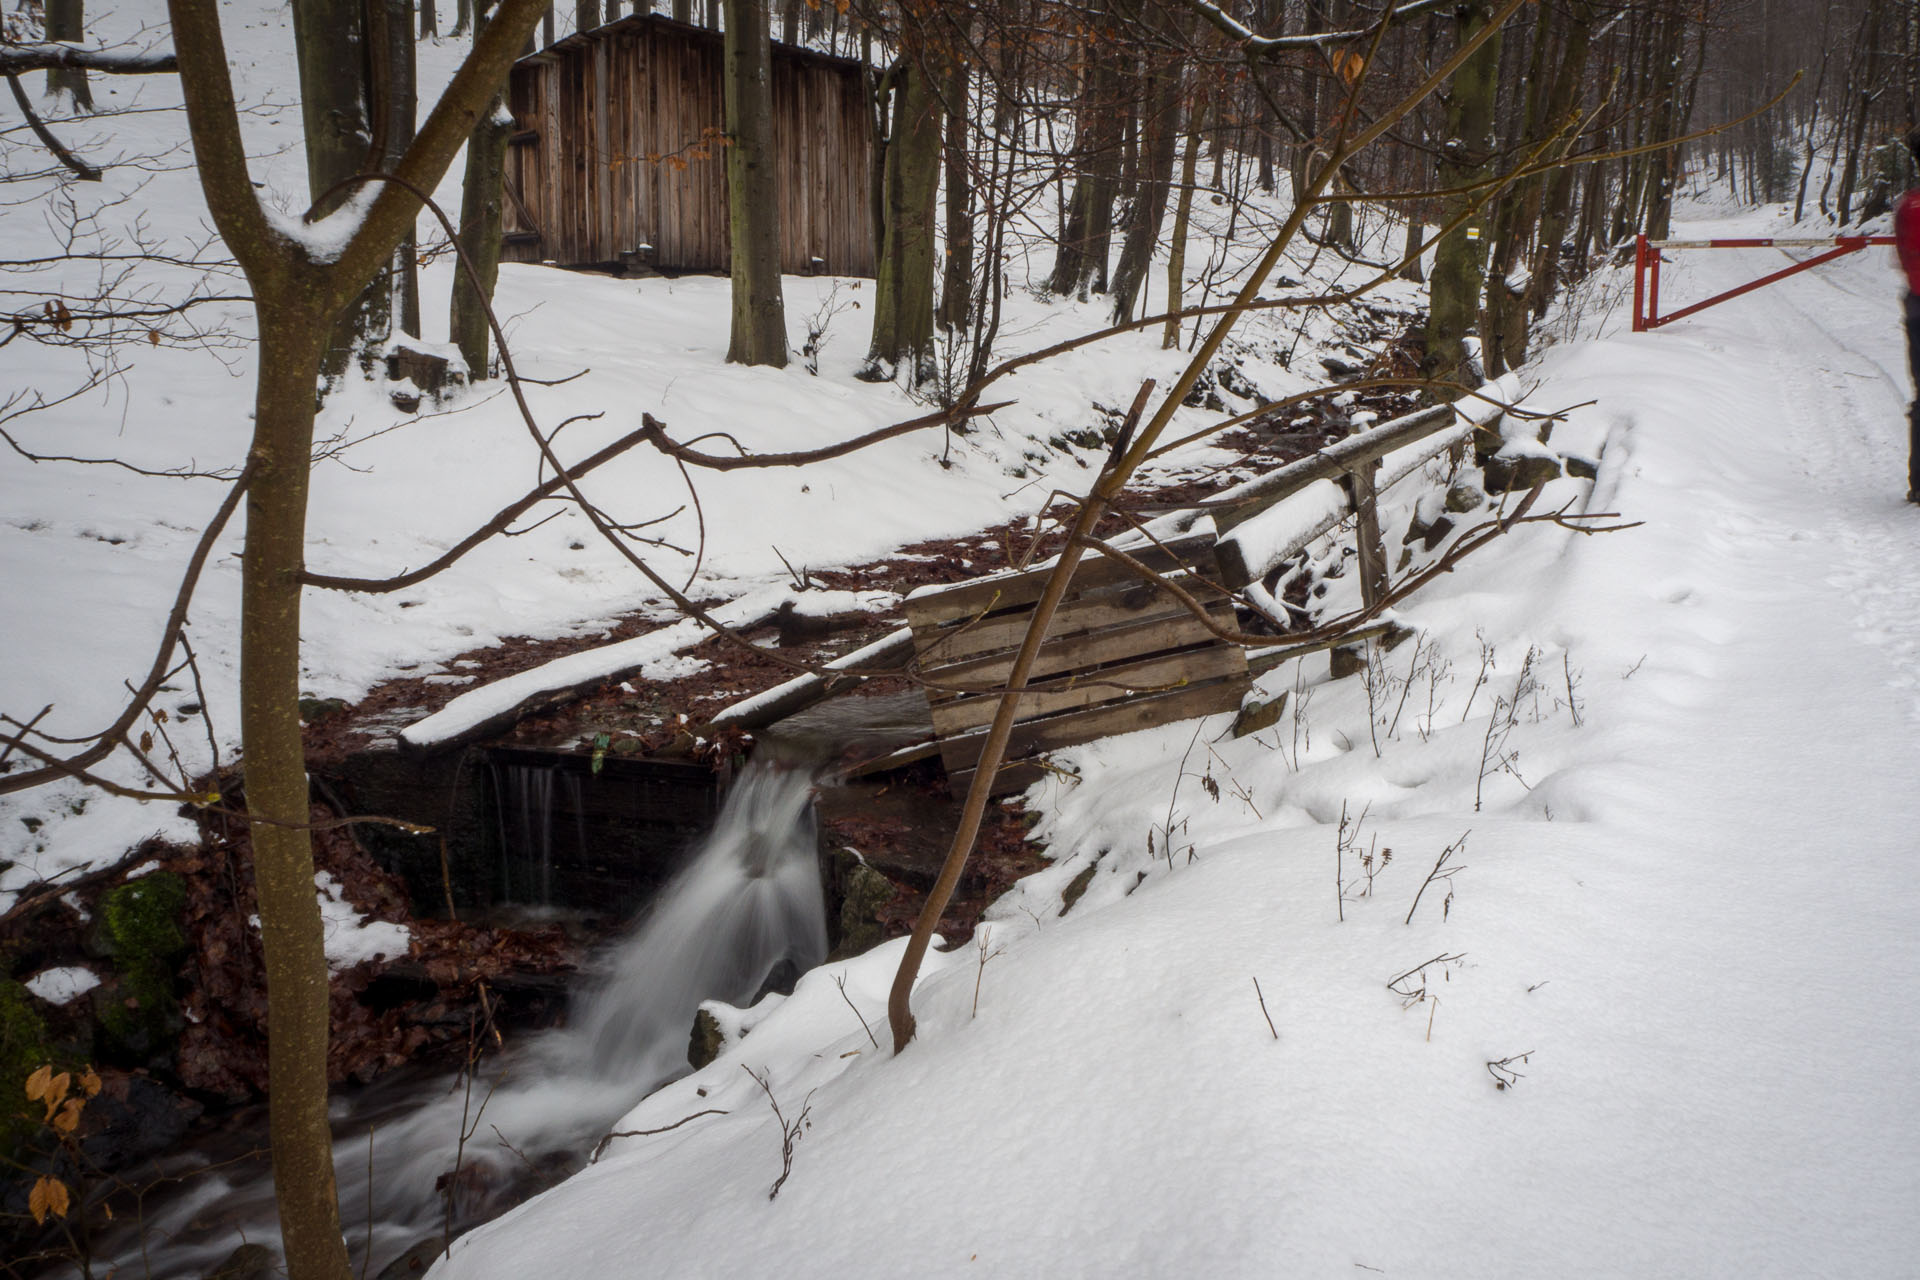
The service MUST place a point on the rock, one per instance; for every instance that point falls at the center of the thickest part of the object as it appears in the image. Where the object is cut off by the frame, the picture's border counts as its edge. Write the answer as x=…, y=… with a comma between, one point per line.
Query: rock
x=429, y=371
x=138, y=927
x=414, y=1262
x=707, y=1040
x=1346, y=661
x=865, y=892
x=1256, y=715
x=1428, y=535
x=1516, y=473
x=248, y=1262
x=23, y=1048
x=1076, y=888
x=1339, y=368
x=1464, y=496
x=134, y=1116
x=314, y=710
x=1581, y=468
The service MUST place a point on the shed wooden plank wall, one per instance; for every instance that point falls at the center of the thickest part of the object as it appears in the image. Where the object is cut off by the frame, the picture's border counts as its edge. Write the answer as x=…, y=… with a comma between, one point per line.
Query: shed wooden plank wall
x=592, y=109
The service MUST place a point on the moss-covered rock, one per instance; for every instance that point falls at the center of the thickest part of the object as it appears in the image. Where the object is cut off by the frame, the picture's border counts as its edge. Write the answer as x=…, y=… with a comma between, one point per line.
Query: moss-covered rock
x=866, y=892
x=140, y=931
x=23, y=1048
x=706, y=1041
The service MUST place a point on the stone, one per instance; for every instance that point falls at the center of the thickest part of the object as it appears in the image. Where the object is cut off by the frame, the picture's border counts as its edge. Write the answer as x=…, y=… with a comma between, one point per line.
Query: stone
x=1516, y=473
x=1257, y=714
x=1581, y=468
x=414, y=1262
x=1427, y=535
x=134, y=1116
x=429, y=371
x=1347, y=660
x=1076, y=888
x=707, y=1040
x=1464, y=496
x=248, y=1262
x=865, y=891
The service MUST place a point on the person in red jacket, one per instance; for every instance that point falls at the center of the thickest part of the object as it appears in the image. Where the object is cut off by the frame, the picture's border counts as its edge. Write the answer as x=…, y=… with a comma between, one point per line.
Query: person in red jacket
x=1906, y=239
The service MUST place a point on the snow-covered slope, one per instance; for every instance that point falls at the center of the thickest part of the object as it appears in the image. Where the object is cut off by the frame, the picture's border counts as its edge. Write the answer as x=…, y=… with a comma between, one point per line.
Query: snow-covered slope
x=1686, y=921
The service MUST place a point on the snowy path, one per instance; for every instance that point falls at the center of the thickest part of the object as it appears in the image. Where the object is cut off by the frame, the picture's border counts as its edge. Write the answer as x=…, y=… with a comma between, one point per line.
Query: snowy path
x=1703, y=916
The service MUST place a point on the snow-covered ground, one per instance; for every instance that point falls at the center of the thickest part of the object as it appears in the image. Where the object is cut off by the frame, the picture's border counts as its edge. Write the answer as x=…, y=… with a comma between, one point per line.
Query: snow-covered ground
x=1688, y=924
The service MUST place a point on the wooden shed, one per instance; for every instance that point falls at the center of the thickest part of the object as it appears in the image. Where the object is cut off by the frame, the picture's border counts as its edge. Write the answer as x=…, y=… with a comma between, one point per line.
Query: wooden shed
x=618, y=157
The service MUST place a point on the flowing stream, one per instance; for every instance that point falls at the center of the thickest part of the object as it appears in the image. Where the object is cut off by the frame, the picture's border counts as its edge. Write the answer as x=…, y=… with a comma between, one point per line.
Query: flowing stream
x=745, y=915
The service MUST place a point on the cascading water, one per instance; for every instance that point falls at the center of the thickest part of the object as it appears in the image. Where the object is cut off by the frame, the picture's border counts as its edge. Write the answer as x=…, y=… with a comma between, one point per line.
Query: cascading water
x=745, y=915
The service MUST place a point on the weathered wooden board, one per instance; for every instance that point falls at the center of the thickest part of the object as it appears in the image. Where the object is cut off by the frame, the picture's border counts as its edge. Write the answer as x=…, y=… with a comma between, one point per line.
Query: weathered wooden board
x=1034, y=737
x=1159, y=673
x=1007, y=591
x=1137, y=602
x=1172, y=628
x=1122, y=654
x=619, y=133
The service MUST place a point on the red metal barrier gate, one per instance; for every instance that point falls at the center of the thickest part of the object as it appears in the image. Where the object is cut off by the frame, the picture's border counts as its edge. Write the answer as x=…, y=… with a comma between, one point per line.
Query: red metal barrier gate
x=1646, y=270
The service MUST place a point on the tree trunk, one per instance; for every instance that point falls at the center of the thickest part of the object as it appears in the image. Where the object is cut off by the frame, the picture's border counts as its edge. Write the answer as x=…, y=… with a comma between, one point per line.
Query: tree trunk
x=1412, y=269
x=903, y=293
x=1159, y=134
x=482, y=219
x=753, y=193
x=956, y=284
x=395, y=98
x=1086, y=234
x=291, y=335
x=330, y=40
x=1459, y=264
x=1182, y=216
x=429, y=19
x=66, y=21
x=1557, y=198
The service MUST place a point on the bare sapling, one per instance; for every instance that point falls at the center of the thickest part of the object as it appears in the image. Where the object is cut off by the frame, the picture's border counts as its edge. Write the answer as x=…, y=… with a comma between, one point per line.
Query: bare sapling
x=1261, y=997
x=1488, y=655
x=1347, y=841
x=980, y=946
x=1494, y=756
x=840, y=981
x=1443, y=873
x=1504, y=1075
x=790, y=1130
x=1414, y=985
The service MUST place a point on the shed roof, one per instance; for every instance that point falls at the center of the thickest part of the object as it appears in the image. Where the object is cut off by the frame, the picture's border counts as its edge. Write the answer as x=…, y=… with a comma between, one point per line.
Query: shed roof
x=580, y=41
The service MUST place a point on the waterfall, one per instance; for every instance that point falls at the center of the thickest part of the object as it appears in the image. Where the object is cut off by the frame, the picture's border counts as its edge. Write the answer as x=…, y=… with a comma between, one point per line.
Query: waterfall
x=745, y=914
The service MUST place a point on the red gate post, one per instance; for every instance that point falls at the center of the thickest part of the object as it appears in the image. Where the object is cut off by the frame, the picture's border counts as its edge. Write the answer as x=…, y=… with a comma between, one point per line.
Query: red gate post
x=1639, y=283
x=1655, y=256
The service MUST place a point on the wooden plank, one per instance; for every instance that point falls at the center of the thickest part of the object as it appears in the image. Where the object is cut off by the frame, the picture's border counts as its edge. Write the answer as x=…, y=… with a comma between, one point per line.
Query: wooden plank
x=1243, y=502
x=1159, y=673
x=1077, y=616
x=1012, y=776
x=1010, y=590
x=1071, y=728
x=1174, y=629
